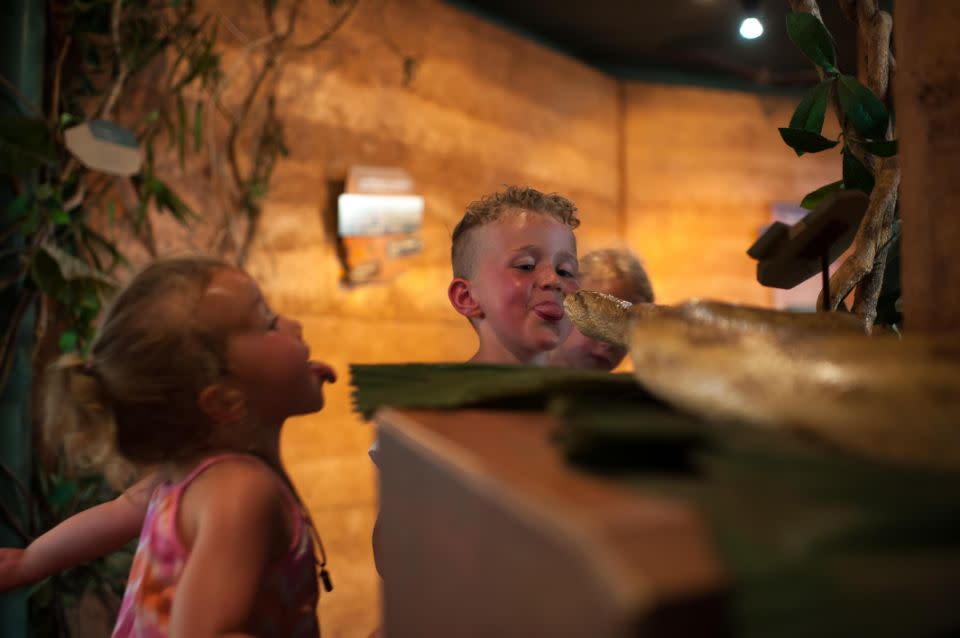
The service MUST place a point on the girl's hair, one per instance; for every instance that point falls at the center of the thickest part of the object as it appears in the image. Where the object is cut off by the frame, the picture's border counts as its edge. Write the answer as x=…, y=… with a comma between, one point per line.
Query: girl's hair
x=137, y=394
x=618, y=265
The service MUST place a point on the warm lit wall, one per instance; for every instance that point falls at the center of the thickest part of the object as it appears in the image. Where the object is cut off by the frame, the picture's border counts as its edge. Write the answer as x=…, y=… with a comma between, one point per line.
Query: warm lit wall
x=485, y=108
x=703, y=167
x=684, y=176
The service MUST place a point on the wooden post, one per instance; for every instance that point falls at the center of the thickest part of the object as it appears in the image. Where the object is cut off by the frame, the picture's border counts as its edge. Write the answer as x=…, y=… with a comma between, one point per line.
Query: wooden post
x=927, y=104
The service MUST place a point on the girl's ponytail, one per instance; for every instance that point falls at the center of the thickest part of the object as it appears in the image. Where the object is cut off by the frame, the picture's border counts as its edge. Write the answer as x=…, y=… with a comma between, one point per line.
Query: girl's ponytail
x=78, y=424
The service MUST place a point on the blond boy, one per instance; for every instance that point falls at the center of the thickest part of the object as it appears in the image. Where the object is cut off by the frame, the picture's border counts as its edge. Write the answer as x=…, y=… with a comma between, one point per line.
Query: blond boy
x=514, y=258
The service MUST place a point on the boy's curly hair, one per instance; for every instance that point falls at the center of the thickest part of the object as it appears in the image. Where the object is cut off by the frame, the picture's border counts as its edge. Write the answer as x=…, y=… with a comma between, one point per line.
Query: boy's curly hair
x=493, y=207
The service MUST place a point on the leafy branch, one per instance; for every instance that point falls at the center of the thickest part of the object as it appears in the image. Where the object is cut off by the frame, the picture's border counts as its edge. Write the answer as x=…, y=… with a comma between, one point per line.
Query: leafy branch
x=869, y=149
x=250, y=183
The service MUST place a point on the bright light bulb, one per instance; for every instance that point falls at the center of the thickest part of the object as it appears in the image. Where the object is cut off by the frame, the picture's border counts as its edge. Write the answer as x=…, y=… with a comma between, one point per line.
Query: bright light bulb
x=751, y=28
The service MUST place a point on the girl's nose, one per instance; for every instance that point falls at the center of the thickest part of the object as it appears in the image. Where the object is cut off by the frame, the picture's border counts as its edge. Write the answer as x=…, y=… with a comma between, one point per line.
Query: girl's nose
x=295, y=327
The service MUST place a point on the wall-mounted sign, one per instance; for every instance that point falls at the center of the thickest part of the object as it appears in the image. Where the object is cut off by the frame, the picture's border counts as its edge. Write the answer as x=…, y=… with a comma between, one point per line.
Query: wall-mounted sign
x=104, y=146
x=378, y=221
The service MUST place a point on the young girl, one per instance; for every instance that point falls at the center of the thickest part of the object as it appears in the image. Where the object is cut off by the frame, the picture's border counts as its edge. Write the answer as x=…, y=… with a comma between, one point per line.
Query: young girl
x=615, y=272
x=192, y=375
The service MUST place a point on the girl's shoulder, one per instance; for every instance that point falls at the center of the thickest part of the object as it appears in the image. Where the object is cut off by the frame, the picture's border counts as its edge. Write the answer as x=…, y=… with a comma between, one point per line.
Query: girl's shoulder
x=234, y=467
x=233, y=492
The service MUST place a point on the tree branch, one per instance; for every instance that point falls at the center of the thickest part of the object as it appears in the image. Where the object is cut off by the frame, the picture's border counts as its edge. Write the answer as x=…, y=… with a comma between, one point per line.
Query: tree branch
x=329, y=33
x=268, y=12
x=55, y=97
x=241, y=116
x=114, y=94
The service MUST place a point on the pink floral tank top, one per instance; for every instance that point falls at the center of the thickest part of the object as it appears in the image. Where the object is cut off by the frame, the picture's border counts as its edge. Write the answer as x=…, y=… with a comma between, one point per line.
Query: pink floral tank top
x=286, y=604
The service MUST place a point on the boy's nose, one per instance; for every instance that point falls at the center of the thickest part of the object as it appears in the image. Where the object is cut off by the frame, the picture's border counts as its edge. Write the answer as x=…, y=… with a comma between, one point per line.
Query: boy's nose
x=549, y=279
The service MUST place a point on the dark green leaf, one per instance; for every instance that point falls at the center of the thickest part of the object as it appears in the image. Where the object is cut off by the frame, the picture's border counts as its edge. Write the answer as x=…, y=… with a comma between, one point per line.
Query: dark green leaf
x=168, y=126
x=453, y=385
x=855, y=174
x=95, y=241
x=45, y=192
x=862, y=107
x=61, y=493
x=167, y=199
x=32, y=221
x=805, y=141
x=86, y=87
x=17, y=209
x=812, y=38
x=812, y=108
x=181, y=130
x=197, y=126
x=89, y=300
x=68, y=341
x=46, y=274
x=813, y=199
x=71, y=268
x=66, y=119
x=59, y=216
x=91, y=57
x=884, y=148
x=25, y=144
x=410, y=64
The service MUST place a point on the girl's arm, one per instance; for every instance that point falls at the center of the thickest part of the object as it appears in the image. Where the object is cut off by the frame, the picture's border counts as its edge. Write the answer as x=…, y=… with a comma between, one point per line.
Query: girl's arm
x=233, y=522
x=90, y=534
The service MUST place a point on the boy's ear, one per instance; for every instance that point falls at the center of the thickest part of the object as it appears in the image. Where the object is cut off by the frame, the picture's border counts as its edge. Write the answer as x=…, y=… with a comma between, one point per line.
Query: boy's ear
x=222, y=404
x=462, y=299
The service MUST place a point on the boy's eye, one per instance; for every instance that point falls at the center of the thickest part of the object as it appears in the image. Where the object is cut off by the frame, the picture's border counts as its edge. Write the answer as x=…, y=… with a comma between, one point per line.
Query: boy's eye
x=563, y=272
x=272, y=322
x=525, y=267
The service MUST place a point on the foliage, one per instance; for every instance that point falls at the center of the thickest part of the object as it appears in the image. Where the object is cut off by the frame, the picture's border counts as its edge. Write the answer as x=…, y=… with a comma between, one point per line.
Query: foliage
x=55, y=497
x=864, y=123
x=857, y=104
x=155, y=67
x=66, y=261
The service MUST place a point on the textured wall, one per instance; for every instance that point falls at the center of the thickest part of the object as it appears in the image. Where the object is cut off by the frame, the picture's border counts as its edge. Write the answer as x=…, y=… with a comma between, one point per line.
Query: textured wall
x=703, y=167
x=684, y=176
x=485, y=108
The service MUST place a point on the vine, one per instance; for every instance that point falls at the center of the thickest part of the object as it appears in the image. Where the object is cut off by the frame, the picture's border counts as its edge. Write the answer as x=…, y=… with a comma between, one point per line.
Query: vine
x=154, y=68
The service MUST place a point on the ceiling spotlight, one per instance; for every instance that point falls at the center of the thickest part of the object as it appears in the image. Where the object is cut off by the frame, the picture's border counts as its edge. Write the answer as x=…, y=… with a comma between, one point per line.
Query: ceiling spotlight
x=751, y=28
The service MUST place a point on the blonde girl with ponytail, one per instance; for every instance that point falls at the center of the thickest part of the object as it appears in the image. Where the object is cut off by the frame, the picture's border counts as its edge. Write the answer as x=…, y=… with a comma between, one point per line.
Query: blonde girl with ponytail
x=189, y=381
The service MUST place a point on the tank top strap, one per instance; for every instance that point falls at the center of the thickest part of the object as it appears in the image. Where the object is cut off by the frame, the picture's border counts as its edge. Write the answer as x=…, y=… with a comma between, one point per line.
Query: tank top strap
x=207, y=462
x=294, y=509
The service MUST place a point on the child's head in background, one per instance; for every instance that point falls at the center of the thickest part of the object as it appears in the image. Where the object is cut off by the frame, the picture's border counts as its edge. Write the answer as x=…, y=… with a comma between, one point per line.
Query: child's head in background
x=188, y=360
x=615, y=272
x=514, y=258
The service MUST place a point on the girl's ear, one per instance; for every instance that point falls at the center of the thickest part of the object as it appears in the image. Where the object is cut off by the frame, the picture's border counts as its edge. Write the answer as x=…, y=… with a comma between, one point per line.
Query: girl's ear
x=222, y=404
x=462, y=299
